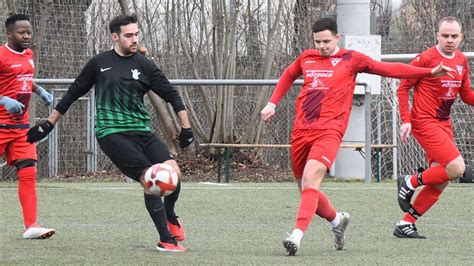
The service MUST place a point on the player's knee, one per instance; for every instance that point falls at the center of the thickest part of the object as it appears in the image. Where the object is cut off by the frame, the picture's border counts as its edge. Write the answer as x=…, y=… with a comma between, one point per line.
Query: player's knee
x=456, y=170
x=24, y=164
x=26, y=170
x=311, y=180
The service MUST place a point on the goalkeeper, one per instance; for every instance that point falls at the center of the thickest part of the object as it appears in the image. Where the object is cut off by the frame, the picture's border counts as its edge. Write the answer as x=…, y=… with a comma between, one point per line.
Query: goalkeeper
x=122, y=77
x=430, y=123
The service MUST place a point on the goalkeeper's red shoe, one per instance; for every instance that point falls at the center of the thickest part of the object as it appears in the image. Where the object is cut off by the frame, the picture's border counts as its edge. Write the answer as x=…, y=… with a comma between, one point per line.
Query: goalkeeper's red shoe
x=177, y=230
x=169, y=247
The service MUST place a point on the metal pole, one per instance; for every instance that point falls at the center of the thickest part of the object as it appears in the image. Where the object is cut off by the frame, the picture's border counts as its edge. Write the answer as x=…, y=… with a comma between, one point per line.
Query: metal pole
x=409, y=57
x=91, y=129
x=228, y=157
x=353, y=17
x=89, y=136
x=368, y=151
x=379, y=139
x=394, y=129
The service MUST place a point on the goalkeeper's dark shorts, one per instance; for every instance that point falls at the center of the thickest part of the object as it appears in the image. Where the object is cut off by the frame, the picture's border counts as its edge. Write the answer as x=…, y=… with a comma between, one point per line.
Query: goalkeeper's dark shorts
x=134, y=151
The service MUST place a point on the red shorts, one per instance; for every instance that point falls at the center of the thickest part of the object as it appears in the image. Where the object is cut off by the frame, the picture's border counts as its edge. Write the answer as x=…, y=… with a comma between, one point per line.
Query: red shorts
x=14, y=146
x=313, y=144
x=437, y=140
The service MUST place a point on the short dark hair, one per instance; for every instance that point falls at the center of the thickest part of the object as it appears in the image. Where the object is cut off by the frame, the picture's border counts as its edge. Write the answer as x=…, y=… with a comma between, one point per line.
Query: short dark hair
x=323, y=24
x=121, y=20
x=10, y=22
x=449, y=19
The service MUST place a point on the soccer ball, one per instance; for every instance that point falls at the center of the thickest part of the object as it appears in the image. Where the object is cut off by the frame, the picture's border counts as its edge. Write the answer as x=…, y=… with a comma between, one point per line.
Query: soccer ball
x=161, y=179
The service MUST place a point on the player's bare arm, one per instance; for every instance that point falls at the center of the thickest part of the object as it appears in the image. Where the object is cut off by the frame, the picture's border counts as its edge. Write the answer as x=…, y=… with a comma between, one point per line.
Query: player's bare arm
x=184, y=119
x=54, y=117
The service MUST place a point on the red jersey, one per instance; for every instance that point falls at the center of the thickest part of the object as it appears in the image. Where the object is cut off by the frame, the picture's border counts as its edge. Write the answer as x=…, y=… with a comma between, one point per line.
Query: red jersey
x=16, y=81
x=434, y=96
x=325, y=99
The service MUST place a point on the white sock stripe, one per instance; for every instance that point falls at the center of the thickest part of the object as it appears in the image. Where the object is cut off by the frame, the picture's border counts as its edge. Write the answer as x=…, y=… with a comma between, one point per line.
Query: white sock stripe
x=404, y=190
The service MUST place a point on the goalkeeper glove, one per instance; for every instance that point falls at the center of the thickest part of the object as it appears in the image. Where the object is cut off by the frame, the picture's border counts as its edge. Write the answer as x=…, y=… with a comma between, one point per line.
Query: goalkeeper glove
x=12, y=106
x=186, y=137
x=45, y=95
x=39, y=132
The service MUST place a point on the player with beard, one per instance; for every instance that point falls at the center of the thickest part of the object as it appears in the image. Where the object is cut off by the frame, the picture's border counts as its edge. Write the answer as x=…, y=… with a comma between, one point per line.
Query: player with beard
x=123, y=129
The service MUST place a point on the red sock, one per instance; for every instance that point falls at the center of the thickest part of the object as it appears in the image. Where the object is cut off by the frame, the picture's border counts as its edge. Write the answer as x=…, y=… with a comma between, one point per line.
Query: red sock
x=325, y=209
x=427, y=197
x=27, y=194
x=307, y=208
x=431, y=176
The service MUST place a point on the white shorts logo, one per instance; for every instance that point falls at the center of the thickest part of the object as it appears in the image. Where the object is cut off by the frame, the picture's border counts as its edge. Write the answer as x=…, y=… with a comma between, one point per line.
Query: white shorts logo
x=326, y=159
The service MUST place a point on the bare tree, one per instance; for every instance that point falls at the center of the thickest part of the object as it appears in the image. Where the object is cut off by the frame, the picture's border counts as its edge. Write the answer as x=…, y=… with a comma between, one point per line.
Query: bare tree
x=10, y=7
x=417, y=21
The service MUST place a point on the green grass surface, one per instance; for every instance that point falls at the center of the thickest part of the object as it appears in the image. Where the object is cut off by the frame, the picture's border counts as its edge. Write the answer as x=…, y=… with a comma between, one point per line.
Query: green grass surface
x=107, y=223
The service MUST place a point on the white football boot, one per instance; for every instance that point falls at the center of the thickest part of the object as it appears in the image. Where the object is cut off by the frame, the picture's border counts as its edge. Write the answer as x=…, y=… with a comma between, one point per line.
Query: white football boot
x=292, y=242
x=38, y=232
x=339, y=231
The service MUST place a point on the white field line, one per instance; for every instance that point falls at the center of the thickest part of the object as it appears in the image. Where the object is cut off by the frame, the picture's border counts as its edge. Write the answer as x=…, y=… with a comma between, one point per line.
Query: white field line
x=459, y=225
x=217, y=186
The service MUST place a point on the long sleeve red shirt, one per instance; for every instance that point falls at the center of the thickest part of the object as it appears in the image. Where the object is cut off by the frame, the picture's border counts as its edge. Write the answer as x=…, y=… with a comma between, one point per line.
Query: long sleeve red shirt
x=325, y=99
x=16, y=81
x=434, y=96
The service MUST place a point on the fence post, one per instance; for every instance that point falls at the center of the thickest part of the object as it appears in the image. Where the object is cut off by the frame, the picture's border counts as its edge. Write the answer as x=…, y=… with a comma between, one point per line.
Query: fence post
x=368, y=121
x=393, y=87
x=228, y=155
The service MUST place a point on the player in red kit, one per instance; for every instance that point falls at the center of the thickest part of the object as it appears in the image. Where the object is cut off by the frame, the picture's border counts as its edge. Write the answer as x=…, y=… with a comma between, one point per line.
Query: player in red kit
x=322, y=112
x=16, y=84
x=430, y=123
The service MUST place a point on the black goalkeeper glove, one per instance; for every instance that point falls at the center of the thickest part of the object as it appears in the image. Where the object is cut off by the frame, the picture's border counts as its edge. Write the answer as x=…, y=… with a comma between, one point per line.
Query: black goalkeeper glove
x=39, y=132
x=186, y=137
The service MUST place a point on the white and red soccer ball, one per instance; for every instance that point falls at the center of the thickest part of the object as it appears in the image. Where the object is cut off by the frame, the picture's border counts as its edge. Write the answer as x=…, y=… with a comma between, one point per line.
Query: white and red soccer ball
x=161, y=179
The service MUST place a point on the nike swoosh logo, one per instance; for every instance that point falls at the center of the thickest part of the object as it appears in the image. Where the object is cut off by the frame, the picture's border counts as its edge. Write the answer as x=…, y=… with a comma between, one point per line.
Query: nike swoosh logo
x=104, y=69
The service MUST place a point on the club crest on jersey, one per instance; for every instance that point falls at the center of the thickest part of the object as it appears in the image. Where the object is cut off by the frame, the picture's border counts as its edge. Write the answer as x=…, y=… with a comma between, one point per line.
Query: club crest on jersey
x=316, y=82
x=459, y=68
x=135, y=73
x=32, y=63
x=450, y=93
x=335, y=61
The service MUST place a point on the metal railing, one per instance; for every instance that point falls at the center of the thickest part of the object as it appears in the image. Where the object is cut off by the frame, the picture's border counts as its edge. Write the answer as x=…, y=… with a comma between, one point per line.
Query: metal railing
x=248, y=82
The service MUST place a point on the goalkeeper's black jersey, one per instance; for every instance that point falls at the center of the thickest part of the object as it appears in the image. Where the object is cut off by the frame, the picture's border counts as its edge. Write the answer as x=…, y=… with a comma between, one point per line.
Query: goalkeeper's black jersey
x=120, y=84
